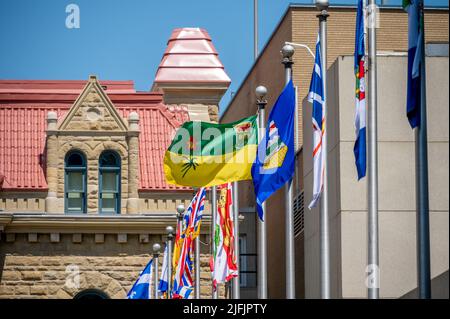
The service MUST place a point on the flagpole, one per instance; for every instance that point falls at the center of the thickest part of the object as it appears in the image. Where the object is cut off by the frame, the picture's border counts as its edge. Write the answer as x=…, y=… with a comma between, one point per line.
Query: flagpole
x=261, y=102
x=322, y=5
x=236, y=289
x=287, y=52
x=156, y=249
x=373, y=265
x=213, y=226
x=169, y=231
x=423, y=218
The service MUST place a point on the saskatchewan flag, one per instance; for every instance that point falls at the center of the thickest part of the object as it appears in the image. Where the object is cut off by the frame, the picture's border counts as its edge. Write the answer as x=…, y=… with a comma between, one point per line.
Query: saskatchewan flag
x=208, y=154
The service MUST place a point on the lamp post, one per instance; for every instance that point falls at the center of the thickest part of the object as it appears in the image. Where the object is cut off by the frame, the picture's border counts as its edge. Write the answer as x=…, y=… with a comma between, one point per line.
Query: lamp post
x=261, y=102
x=288, y=51
x=322, y=6
x=169, y=231
x=156, y=250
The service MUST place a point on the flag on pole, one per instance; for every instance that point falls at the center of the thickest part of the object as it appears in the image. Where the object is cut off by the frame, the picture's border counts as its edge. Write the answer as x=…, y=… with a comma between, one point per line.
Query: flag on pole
x=315, y=97
x=275, y=163
x=415, y=29
x=182, y=279
x=195, y=213
x=207, y=154
x=360, y=94
x=142, y=287
x=163, y=286
x=223, y=261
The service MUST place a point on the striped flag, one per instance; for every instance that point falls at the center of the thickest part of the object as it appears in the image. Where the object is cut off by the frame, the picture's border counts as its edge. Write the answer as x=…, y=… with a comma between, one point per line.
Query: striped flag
x=195, y=213
x=223, y=262
x=315, y=97
x=360, y=95
x=142, y=288
x=415, y=30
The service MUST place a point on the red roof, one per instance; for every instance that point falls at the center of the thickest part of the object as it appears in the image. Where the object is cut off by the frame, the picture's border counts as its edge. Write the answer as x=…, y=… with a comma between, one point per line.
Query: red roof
x=190, y=56
x=23, y=123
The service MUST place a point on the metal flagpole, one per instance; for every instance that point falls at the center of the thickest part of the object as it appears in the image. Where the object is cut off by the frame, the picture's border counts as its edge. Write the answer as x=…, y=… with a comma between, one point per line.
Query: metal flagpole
x=255, y=28
x=287, y=52
x=423, y=218
x=236, y=289
x=169, y=231
x=261, y=93
x=213, y=225
x=156, y=249
x=373, y=268
x=322, y=5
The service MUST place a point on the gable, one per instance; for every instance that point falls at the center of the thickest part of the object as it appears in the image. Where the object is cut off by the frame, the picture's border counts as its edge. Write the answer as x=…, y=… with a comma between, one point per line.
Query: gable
x=93, y=111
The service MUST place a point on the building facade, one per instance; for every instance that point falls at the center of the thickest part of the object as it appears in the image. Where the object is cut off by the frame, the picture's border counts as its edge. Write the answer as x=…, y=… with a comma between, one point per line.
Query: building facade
x=299, y=24
x=83, y=194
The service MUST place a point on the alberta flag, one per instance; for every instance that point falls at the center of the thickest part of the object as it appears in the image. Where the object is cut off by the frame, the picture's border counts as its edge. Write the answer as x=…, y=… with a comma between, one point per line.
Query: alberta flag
x=275, y=162
x=415, y=36
x=360, y=95
x=142, y=288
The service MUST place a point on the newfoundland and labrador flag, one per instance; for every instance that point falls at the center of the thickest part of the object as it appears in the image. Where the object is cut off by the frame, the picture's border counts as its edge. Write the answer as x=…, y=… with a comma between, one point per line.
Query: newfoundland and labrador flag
x=142, y=287
x=275, y=163
x=207, y=154
x=415, y=30
x=360, y=95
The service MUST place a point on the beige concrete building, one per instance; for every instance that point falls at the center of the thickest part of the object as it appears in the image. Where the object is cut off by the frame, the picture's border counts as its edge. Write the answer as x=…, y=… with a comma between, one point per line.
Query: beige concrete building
x=300, y=25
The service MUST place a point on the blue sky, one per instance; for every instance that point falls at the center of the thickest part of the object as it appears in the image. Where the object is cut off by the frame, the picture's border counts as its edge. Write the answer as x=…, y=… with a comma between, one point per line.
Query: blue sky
x=125, y=40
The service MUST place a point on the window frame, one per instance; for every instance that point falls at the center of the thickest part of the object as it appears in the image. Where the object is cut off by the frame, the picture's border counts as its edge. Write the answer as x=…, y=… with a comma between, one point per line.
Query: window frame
x=67, y=169
x=116, y=169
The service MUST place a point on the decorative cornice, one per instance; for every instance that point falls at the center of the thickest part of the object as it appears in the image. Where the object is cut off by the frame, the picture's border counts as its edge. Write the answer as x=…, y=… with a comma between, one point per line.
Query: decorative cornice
x=154, y=223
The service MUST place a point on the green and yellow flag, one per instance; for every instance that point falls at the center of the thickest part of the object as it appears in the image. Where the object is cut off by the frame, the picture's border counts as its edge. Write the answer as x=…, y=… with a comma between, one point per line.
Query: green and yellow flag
x=208, y=154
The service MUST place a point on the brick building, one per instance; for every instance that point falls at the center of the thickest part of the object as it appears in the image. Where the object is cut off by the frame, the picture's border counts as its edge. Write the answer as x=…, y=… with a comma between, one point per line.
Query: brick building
x=299, y=24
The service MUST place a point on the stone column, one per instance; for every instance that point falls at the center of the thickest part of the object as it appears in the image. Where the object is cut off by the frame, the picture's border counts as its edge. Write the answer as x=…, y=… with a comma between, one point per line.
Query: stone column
x=51, y=201
x=133, y=163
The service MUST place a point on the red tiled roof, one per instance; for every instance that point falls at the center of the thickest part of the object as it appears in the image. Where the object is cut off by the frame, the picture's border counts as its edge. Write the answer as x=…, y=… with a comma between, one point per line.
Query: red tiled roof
x=190, y=56
x=22, y=134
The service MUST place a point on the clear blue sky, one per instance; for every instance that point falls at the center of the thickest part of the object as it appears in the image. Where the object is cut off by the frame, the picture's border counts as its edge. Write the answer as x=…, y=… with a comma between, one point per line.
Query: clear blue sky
x=125, y=40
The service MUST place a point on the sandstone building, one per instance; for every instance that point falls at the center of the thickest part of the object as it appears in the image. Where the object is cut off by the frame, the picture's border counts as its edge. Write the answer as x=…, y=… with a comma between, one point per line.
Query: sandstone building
x=82, y=191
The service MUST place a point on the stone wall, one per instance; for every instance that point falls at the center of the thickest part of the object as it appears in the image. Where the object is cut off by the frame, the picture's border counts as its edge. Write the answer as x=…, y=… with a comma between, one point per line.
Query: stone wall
x=49, y=270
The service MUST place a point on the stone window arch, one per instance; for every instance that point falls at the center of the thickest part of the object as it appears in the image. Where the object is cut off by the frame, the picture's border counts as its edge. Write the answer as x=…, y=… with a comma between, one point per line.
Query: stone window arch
x=75, y=180
x=91, y=294
x=109, y=185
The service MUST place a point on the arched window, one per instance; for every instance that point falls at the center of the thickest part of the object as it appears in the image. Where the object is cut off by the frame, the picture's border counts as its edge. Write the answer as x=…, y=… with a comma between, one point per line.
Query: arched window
x=91, y=294
x=109, y=183
x=75, y=183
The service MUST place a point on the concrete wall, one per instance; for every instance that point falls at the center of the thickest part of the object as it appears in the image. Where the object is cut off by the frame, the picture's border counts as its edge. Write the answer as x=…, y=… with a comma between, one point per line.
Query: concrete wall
x=348, y=197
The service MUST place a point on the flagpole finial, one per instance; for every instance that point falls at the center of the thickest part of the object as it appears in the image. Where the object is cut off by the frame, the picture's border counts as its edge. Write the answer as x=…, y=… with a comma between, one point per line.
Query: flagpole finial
x=180, y=211
x=169, y=231
x=322, y=4
x=287, y=51
x=261, y=92
x=156, y=249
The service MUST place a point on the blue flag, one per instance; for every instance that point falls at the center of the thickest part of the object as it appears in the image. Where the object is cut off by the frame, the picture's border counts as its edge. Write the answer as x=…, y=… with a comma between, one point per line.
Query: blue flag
x=142, y=287
x=415, y=31
x=275, y=163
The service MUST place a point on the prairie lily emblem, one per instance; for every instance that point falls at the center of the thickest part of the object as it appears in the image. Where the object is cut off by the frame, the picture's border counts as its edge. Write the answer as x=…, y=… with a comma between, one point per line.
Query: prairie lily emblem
x=243, y=132
x=192, y=143
x=276, y=150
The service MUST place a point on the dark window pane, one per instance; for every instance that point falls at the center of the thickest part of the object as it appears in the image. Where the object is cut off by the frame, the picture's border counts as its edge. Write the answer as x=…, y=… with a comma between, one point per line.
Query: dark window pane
x=108, y=159
x=109, y=181
x=108, y=204
x=74, y=204
x=75, y=181
x=75, y=159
